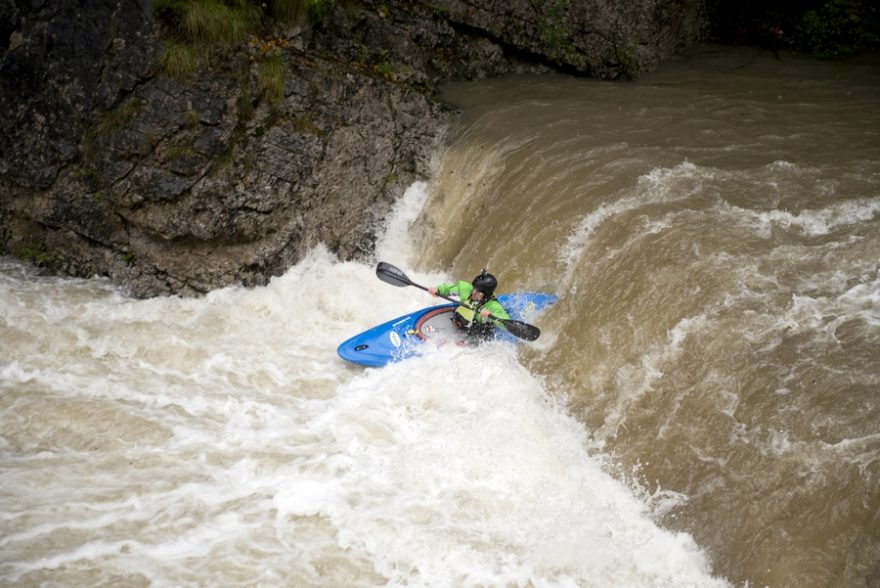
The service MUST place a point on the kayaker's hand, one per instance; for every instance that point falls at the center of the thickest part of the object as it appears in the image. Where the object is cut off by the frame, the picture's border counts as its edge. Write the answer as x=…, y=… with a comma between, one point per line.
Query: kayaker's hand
x=485, y=313
x=432, y=291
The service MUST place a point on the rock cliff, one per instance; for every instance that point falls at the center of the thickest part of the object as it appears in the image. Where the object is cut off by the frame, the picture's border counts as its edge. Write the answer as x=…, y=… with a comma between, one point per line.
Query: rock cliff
x=110, y=166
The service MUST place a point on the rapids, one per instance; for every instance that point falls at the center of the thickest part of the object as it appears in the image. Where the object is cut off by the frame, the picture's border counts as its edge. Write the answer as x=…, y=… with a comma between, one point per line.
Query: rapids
x=713, y=232
x=701, y=409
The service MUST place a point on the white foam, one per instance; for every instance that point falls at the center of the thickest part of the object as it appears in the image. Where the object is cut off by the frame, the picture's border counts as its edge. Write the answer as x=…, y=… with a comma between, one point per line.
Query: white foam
x=823, y=221
x=396, y=242
x=192, y=441
x=659, y=185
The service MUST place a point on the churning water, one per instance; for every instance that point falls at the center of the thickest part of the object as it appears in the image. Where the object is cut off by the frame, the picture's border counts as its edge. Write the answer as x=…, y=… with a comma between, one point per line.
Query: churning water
x=702, y=408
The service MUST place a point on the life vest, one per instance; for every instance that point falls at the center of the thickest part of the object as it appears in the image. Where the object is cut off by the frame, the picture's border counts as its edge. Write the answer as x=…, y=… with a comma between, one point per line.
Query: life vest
x=468, y=318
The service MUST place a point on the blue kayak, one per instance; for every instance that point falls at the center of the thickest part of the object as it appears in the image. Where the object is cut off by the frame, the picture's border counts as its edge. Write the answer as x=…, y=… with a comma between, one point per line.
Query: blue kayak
x=401, y=337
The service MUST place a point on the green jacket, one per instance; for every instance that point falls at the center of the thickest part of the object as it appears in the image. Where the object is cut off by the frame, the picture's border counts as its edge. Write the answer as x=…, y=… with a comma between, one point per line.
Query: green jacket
x=468, y=309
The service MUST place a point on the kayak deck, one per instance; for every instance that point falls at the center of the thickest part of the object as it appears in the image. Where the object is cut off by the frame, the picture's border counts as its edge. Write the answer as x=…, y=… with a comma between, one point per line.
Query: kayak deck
x=401, y=337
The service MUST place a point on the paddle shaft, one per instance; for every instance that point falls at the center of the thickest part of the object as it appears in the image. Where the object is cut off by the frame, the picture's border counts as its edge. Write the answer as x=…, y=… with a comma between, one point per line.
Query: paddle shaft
x=394, y=276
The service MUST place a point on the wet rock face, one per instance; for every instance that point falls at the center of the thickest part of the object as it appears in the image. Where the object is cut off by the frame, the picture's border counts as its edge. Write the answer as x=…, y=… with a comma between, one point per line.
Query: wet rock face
x=109, y=166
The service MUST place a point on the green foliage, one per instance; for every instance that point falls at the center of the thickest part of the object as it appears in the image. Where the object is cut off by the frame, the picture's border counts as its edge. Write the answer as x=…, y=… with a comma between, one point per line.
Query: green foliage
x=837, y=28
x=35, y=254
x=180, y=60
x=288, y=11
x=304, y=123
x=626, y=57
x=120, y=115
x=198, y=26
x=191, y=119
x=209, y=21
x=318, y=9
x=553, y=32
x=270, y=79
x=178, y=152
x=213, y=21
x=385, y=69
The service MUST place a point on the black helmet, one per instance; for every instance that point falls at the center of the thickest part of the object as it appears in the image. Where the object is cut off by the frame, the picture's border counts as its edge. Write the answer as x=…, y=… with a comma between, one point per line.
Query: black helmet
x=485, y=283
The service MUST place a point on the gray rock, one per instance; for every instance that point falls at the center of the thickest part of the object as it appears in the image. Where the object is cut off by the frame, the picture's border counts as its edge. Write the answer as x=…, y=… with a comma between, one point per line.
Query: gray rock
x=169, y=187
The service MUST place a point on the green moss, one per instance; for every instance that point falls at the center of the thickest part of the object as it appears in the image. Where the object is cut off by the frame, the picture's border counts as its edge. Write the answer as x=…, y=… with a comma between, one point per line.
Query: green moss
x=119, y=116
x=553, y=32
x=112, y=121
x=35, y=254
x=224, y=161
x=626, y=57
x=304, y=123
x=319, y=9
x=178, y=152
x=87, y=146
x=191, y=119
x=385, y=69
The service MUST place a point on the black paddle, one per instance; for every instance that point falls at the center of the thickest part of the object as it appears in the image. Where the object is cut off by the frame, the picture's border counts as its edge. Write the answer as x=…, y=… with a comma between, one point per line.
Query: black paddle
x=392, y=275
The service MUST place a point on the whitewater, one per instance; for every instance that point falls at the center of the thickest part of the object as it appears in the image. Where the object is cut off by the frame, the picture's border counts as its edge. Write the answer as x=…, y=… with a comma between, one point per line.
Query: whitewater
x=220, y=441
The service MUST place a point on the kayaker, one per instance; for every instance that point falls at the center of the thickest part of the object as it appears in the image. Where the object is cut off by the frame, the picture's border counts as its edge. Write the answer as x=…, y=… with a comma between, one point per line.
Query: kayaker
x=478, y=303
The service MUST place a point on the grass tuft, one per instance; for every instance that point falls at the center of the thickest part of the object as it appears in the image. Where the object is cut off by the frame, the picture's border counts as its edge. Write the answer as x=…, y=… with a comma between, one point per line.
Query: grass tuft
x=212, y=21
x=270, y=79
x=180, y=60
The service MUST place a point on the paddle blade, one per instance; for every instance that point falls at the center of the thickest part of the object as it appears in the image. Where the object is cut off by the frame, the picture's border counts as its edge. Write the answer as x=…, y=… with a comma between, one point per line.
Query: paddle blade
x=522, y=330
x=392, y=275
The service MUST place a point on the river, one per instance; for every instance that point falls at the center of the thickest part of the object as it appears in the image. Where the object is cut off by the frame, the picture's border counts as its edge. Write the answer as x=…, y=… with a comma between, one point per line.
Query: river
x=702, y=408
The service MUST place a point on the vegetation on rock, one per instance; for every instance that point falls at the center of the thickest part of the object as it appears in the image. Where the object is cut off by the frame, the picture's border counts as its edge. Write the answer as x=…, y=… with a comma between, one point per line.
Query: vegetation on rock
x=825, y=29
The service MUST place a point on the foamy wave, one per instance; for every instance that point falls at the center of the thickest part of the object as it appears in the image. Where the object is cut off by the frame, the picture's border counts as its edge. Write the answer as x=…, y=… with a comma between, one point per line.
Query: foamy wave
x=185, y=441
x=659, y=185
x=815, y=223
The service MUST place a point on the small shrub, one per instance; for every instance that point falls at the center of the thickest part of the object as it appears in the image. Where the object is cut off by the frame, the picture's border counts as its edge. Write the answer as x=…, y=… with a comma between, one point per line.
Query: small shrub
x=318, y=9
x=196, y=27
x=837, y=28
x=35, y=254
x=553, y=33
x=385, y=69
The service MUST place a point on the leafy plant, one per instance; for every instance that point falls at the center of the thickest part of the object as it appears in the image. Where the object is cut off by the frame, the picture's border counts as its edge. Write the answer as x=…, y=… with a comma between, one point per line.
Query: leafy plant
x=553, y=33
x=36, y=254
x=319, y=9
x=837, y=28
x=385, y=69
